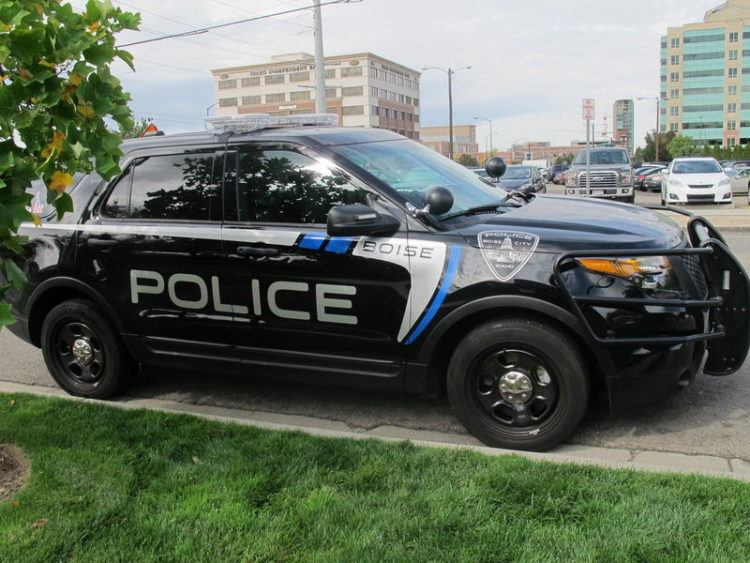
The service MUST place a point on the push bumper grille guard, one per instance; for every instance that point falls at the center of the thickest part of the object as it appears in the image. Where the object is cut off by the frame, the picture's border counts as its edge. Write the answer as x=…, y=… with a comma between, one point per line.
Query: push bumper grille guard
x=728, y=302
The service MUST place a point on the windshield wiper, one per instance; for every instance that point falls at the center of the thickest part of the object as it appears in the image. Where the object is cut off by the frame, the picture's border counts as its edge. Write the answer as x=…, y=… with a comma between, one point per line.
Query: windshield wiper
x=474, y=211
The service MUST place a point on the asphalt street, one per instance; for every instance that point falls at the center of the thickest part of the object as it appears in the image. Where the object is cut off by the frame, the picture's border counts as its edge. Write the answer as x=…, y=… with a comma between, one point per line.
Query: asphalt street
x=711, y=417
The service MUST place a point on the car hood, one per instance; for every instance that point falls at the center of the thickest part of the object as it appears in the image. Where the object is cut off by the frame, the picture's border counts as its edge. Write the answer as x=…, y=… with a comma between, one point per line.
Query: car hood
x=571, y=223
x=513, y=184
x=699, y=179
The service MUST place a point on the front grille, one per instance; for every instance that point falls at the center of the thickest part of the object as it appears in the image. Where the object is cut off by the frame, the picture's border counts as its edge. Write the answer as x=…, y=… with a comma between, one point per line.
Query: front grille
x=700, y=186
x=693, y=266
x=599, y=180
x=703, y=198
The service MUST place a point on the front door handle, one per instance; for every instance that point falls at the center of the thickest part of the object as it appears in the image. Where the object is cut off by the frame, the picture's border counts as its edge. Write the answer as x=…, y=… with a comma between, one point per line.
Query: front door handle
x=257, y=251
x=108, y=242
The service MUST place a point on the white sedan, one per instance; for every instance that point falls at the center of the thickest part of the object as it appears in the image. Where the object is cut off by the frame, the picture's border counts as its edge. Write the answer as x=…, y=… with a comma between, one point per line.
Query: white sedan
x=696, y=180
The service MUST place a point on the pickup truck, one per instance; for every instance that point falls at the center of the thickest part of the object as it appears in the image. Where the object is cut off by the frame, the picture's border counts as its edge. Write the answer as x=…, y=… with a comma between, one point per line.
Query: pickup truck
x=611, y=175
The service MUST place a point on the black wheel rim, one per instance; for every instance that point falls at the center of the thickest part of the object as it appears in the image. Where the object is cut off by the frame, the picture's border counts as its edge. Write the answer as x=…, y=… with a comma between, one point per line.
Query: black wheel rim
x=78, y=352
x=514, y=387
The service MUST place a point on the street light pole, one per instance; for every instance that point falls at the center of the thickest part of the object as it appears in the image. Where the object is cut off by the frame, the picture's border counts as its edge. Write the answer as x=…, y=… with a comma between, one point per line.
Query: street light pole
x=450, y=72
x=489, y=152
x=657, y=99
x=320, y=71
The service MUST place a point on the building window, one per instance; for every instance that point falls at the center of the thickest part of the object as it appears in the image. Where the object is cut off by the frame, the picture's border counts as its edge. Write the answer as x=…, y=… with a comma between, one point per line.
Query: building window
x=330, y=73
x=352, y=91
x=674, y=94
x=227, y=84
x=409, y=100
x=351, y=71
x=227, y=102
x=353, y=110
x=675, y=60
x=675, y=42
x=732, y=108
x=331, y=92
x=732, y=141
x=275, y=79
x=250, y=100
x=734, y=37
x=733, y=55
x=275, y=98
x=296, y=96
x=299, y=76
x=674, y=111
x=374, y=110
x=732, y=90
x=249, y=82
x=675, y=77
x=374, y=91
x=732, y=72
x=673, y=127
x=416, y=103
x=731, y=125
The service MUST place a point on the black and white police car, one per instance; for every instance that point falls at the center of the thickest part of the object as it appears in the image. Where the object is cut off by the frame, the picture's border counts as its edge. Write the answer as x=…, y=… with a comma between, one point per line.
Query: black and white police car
x=292, y=248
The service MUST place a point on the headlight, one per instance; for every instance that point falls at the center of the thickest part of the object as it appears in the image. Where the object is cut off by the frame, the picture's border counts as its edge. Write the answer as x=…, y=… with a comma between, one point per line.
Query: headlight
x=646, y=266
x=625, y=177
x=675, y=183
x=571, y=180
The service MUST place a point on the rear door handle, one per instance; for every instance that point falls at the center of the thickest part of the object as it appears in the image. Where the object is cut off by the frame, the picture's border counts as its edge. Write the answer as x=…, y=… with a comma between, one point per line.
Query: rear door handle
x=257, y=251
x=102, y=242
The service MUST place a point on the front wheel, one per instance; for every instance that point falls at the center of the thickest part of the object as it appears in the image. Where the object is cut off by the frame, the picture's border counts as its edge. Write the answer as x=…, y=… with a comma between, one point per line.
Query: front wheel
x=629, y=199
x=84, y=355
x=518, y=383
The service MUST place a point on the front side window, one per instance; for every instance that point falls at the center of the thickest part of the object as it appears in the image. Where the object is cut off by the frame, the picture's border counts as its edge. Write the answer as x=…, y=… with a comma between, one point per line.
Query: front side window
x=169, y=187
x=284, y=186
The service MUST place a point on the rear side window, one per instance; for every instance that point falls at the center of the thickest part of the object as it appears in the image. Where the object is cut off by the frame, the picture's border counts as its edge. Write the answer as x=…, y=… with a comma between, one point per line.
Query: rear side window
x=283, y=186
x=170, y=187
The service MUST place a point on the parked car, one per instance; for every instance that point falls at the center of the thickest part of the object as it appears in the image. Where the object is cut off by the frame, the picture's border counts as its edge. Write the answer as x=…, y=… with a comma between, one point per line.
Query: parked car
x=653, y=182
x=611, y=174
x=696, y=180
x=523, y=178
x=554, y=170
x=740, y=180
x=561, y=178
x=640, y=175
x=741, y=164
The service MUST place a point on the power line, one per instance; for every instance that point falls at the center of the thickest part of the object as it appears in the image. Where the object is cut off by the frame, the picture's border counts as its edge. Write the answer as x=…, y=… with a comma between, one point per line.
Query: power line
x=228, y=24
x=246, y=11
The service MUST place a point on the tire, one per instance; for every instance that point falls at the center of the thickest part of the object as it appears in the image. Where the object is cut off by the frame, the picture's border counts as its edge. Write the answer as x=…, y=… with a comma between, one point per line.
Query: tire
x=95, y=368
x=505, y=347
x=630, y=199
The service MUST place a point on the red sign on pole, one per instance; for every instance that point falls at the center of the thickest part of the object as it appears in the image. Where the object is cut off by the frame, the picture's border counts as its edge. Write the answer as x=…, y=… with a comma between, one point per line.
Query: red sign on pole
x=589, y=109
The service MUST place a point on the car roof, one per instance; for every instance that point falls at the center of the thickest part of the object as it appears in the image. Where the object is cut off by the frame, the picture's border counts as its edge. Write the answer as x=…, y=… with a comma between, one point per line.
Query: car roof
x=680, y=158
x=328, y=136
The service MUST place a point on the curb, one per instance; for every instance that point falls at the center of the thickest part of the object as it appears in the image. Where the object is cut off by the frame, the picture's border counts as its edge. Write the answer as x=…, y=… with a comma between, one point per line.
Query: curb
x=611, y=458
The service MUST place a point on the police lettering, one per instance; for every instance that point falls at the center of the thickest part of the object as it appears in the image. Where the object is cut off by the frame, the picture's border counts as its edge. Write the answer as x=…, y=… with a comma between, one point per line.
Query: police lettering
x=330, y=300
x=410, y=251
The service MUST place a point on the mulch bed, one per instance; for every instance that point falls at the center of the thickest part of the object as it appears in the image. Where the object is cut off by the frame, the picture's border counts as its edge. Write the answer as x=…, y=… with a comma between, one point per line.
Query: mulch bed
x=14, y=469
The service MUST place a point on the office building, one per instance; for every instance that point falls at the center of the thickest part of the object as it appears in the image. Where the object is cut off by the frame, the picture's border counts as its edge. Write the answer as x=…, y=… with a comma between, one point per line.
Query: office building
x=363, y=89
x=705, y=77
x=624, y=126
x=464, y=139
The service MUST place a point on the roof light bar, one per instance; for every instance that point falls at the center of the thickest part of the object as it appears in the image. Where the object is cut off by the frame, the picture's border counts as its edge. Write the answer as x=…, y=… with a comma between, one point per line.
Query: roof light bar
x=255, y=121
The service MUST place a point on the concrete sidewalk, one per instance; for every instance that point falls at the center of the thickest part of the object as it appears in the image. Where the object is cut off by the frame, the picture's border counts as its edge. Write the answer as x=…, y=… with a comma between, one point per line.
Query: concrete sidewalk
x=662, y=462
x=723, y=219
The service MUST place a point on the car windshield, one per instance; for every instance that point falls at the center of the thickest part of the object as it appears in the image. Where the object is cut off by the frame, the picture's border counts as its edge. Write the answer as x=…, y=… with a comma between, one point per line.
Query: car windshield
x=603, y=157
x=412, y=170
x=696, y=167
x=517, y=173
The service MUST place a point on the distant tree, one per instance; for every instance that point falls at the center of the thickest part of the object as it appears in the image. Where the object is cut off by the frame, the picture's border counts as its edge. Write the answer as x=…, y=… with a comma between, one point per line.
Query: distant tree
x=717, y=153
x=649, y=153
x=681, y=145
x=133, y=129
x=565, y=159
x=468, y=160
x=638, y=156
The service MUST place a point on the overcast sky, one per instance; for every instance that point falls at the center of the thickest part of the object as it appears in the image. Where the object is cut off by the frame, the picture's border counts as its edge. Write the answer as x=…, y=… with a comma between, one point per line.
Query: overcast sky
x=532, y=61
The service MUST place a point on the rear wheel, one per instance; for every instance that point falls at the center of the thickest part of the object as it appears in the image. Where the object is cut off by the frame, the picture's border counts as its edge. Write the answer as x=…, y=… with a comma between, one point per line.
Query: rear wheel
x=518, y=383
x=83, y=353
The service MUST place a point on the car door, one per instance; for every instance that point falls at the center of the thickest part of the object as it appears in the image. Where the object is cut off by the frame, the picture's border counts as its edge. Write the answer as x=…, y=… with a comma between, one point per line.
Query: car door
x=152, y=248
x=303, y=300
x=741, y=181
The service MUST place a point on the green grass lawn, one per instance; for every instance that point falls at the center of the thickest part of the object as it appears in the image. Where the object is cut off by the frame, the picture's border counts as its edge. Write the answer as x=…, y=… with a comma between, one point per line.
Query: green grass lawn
x=122, y=485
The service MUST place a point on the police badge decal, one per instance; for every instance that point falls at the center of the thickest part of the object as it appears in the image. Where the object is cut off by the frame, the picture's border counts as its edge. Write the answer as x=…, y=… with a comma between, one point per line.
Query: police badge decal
x=506, y=252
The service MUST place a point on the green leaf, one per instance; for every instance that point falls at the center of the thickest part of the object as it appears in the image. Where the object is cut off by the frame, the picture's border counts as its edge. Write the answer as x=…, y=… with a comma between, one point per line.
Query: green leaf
x=13, y=274
x=77, y=149
x=6, y=315
x=126, y=57
x=63, y=205
x=99, y=54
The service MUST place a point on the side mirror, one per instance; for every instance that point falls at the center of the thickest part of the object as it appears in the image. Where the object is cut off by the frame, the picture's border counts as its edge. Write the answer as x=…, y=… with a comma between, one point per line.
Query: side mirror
x=360, y=220
x=728, y=169
x=495, y=167
x=439, y=200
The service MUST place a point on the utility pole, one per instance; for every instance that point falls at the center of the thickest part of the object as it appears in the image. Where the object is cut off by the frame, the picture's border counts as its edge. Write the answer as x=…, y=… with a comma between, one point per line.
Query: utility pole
x=450, y=72
x=489, y=152
x=320, y=70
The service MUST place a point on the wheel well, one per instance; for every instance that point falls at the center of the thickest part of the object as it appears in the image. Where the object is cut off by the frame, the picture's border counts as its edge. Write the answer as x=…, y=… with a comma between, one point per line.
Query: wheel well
x=44, y=304
x=438, y=364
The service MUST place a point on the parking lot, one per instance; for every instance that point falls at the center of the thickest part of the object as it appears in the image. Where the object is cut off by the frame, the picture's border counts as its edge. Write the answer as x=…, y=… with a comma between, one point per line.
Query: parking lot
x=711, y=417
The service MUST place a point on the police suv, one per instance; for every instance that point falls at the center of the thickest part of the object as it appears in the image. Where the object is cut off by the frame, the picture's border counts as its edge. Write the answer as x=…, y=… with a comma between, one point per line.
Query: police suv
x=289, y=247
